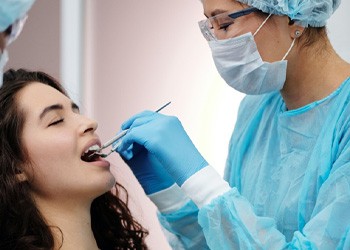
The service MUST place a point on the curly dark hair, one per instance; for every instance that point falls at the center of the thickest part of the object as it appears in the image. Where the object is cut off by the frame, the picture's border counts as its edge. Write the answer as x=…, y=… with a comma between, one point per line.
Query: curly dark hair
x=22, y=226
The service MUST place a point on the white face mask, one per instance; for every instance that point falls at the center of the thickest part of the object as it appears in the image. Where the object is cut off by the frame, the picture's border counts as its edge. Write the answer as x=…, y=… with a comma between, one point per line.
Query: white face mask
x=239, y=63
x=4, y=57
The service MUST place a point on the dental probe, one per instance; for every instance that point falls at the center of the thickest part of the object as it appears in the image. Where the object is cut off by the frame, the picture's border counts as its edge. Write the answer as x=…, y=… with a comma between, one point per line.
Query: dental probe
x=116, y=138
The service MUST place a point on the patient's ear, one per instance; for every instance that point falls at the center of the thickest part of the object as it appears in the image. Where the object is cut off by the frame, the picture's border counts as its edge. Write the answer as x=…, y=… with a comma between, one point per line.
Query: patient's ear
x=21, y=176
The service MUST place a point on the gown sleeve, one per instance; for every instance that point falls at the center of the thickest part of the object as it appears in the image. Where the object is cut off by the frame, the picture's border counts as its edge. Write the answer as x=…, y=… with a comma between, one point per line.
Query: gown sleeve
x=178, y=216
x=219, y=217
x=229, y=221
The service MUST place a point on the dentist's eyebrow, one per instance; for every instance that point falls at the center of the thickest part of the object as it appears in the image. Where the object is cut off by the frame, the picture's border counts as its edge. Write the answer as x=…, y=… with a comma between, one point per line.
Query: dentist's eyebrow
x=216, y=12
x=55, y=107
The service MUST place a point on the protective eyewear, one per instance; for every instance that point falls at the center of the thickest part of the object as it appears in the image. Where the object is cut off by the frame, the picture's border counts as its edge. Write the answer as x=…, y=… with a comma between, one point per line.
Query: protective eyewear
x=221, y=22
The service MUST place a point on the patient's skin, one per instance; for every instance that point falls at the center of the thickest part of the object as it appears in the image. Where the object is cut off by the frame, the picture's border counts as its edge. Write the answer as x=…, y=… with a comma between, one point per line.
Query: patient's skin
x=55, y=136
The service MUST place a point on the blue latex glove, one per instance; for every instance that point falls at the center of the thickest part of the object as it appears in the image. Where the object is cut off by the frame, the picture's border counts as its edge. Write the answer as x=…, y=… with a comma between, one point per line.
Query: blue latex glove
x=147, y=169
x=164, y=137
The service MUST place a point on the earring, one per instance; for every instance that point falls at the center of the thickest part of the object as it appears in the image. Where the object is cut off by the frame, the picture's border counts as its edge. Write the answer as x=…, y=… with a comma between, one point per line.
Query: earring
x=297, y=33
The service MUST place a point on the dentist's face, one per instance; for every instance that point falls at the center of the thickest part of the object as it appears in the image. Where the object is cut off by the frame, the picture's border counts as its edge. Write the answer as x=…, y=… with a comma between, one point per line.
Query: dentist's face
x=273, y=40
x=240, y=26
x=55, y=136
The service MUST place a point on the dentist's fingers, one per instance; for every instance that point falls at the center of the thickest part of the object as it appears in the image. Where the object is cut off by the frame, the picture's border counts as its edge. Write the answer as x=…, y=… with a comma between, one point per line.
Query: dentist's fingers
x=131, y=120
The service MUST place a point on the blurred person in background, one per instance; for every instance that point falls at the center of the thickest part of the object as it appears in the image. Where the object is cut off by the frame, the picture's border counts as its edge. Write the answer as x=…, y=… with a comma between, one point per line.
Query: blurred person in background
x=13, y=14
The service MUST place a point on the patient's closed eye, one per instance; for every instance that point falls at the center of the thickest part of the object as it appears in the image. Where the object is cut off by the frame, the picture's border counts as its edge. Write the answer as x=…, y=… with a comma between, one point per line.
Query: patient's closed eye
x=56, y=122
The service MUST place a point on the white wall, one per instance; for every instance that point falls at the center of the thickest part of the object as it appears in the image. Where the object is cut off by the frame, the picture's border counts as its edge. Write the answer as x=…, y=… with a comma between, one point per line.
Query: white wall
x=338, y=30
x=144, y=54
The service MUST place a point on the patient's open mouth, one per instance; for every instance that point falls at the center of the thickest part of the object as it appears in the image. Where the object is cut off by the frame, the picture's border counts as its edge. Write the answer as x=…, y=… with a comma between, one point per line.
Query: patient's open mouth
x=89, y=155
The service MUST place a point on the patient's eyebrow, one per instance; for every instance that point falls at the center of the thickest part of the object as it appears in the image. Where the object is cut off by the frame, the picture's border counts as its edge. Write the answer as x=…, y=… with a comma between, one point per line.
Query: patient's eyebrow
x=55, y=107
x=49, y=109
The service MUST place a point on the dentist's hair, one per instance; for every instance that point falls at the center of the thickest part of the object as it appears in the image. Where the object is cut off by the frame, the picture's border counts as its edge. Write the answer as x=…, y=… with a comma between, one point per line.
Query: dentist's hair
x=22, y=226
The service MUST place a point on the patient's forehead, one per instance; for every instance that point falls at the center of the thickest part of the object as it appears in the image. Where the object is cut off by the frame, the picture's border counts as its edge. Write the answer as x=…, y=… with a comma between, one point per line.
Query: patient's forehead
x=34, y=97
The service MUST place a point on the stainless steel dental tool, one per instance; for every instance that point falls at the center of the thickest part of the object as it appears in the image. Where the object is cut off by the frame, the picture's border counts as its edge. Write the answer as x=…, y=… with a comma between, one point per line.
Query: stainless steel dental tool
x=97, y=150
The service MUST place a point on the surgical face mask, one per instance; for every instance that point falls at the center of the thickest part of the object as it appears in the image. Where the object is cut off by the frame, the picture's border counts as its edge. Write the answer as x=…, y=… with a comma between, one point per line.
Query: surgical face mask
x=11, y=10
x=239, y=63
x=3, y=60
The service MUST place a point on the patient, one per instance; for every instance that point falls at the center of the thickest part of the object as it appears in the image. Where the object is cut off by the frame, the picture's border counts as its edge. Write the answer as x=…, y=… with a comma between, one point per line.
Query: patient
x=50, y=196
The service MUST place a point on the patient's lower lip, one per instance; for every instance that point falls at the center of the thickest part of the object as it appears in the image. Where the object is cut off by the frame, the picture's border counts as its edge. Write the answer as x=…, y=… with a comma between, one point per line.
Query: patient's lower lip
x=100, y=162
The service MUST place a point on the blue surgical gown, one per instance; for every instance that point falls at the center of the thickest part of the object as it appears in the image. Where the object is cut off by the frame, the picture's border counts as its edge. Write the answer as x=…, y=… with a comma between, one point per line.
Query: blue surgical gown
x=289, y=177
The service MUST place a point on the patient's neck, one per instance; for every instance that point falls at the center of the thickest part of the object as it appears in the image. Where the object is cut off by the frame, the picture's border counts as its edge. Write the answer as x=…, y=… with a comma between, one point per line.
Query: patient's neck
x=70, y=224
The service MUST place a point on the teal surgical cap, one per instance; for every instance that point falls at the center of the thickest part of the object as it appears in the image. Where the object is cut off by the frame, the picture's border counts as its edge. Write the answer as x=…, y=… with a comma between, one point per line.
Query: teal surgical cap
x=314, y=13
x=11, y=10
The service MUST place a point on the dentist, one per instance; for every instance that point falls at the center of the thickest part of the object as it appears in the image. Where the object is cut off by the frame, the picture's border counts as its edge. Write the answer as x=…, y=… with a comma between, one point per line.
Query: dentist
x=286, y=183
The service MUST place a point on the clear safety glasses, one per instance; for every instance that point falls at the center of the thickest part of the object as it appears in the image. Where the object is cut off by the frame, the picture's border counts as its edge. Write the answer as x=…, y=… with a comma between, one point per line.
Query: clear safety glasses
x=221, y=22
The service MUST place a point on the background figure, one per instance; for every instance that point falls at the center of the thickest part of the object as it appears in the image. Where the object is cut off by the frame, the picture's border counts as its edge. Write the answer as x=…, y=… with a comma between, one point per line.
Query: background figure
x=286, y=179
x=51, y=196
x=12, y=19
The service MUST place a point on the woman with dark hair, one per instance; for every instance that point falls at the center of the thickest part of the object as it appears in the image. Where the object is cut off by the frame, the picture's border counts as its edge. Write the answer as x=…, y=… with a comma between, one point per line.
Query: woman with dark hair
x=51, y=196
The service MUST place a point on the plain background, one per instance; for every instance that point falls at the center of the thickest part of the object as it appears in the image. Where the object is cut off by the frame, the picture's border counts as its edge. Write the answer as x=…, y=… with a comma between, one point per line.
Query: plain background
x=138, y=55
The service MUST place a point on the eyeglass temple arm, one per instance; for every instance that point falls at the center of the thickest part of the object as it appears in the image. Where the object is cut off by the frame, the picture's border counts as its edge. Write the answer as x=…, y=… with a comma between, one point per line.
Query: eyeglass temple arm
x=243, y=12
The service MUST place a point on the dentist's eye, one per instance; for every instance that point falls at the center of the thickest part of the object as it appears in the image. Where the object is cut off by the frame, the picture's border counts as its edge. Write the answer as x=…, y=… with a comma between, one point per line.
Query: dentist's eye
x=56, y=122
x=224, y=26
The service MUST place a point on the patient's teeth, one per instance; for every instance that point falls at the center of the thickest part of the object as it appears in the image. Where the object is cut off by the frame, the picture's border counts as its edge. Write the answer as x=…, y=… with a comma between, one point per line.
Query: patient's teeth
x=94, y=148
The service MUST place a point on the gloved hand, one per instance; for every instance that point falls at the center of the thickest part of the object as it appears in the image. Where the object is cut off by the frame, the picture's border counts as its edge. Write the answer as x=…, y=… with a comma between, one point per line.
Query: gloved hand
x=164, y=137
x=147, y=169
